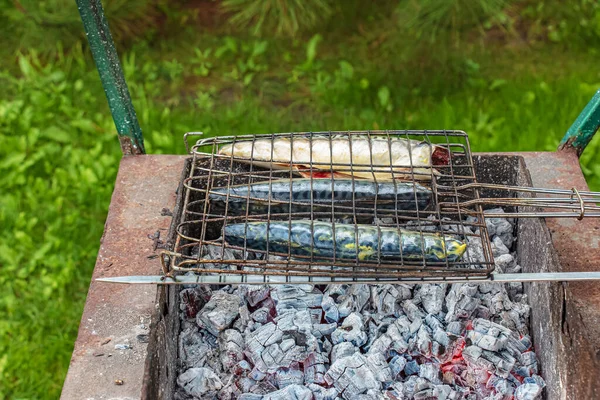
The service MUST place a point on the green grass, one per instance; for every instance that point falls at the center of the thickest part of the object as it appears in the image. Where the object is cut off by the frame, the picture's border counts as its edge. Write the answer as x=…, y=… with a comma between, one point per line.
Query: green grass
x=59, y=153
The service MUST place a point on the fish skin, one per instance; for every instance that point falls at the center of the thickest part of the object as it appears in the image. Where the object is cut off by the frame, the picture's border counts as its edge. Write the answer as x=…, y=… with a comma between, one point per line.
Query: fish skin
x=392, y=157
x=299, y=239
x=325, y=192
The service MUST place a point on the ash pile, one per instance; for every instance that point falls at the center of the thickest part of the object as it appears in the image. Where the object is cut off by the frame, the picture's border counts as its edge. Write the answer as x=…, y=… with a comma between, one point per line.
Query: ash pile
x=429, y=341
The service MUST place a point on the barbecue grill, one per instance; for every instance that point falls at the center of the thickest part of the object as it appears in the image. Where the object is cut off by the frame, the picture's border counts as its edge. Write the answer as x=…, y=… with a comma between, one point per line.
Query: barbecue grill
x=145, y=317
x=456, y=205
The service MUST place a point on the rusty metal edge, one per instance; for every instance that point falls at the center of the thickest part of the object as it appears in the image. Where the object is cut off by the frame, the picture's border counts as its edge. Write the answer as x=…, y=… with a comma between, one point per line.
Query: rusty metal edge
x=155, y=386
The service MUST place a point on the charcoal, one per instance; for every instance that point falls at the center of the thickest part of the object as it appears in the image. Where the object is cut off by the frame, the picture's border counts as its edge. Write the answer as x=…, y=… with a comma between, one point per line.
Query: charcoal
x=437, y=350
x=241, y=368
x=431, y=372
x=489, y=287
x=364, y=341
x=387, y=298
x=230, y=390
x=514, y=269
x=244, y=319
x=482, y=312
x=515, y=291
x=397, y=364
x=455, y=328
x=321, y=393
x=190, y=302
x=423, y=341
x=199, y=382
x=352, y=330
x=423, y=389
x=432, y=297
x=250, y=396
x=433, y=323
x=499, y=226
x=231, y=344
x=503, y=361
x=381, y=345
x=315, y=315
x=263, y=387
x=219, y=312
x=474, y=252
x=473, y=355
x=279, y=344
x=501, y=385
x=261, y=315
x=254, y=294
x=370, y=395
x=528, y=359
x=460, y=302
x=292, y=298
x=395, y=392
x=342, y=350
x=412, y=311
x=445, y=392
x=289, y=376
x=504, y=263
x=399, y=332
x=314, y=368
x=330, y=309
x=264, y=336
x=410, y=385
x=320, y=330
x=415, y=326
x=530, y=389
x=498, y=247
x=193, y=349
x=412, y=368
x=351, y=376
x=487, y=342
x=257, y=374
x=519, y=345
x=245, y=384
x=339, y=301
x=380, y=368
x=360, y=296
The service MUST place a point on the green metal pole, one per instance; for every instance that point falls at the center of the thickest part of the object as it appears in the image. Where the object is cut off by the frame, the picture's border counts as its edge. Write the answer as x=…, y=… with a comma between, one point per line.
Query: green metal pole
x=585, y=126
x=111, y=75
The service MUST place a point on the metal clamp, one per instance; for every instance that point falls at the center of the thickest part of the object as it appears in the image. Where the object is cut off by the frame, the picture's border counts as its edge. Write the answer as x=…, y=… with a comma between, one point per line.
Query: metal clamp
x=581, y=203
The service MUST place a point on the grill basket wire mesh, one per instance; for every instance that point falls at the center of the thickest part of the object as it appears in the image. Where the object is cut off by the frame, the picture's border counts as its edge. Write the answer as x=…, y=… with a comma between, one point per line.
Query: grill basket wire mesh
x=202, y=223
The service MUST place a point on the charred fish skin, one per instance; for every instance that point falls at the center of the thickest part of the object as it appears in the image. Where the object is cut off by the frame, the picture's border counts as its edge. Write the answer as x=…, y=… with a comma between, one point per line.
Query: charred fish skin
x=362, y=242
x=389, y=195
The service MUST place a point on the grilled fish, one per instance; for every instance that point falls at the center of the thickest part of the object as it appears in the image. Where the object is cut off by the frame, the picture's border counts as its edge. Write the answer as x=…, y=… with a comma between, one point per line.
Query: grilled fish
x=362, y=157
x=321, y=194
x=362, y=242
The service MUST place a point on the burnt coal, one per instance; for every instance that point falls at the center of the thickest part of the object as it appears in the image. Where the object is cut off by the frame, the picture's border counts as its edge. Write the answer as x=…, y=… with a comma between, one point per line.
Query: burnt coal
x=325, y=342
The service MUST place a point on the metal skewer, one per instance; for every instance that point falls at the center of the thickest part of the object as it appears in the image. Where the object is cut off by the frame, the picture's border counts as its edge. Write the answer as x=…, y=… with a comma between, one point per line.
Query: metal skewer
x=228, y=279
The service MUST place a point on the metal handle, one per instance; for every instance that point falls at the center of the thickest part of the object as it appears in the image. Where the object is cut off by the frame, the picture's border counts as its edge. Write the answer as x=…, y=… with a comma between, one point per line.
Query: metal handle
x=578, y=204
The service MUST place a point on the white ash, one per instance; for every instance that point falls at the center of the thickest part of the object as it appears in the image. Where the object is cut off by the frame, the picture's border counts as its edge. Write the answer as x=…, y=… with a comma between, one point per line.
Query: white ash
x=219, y=312
x=326, y=342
